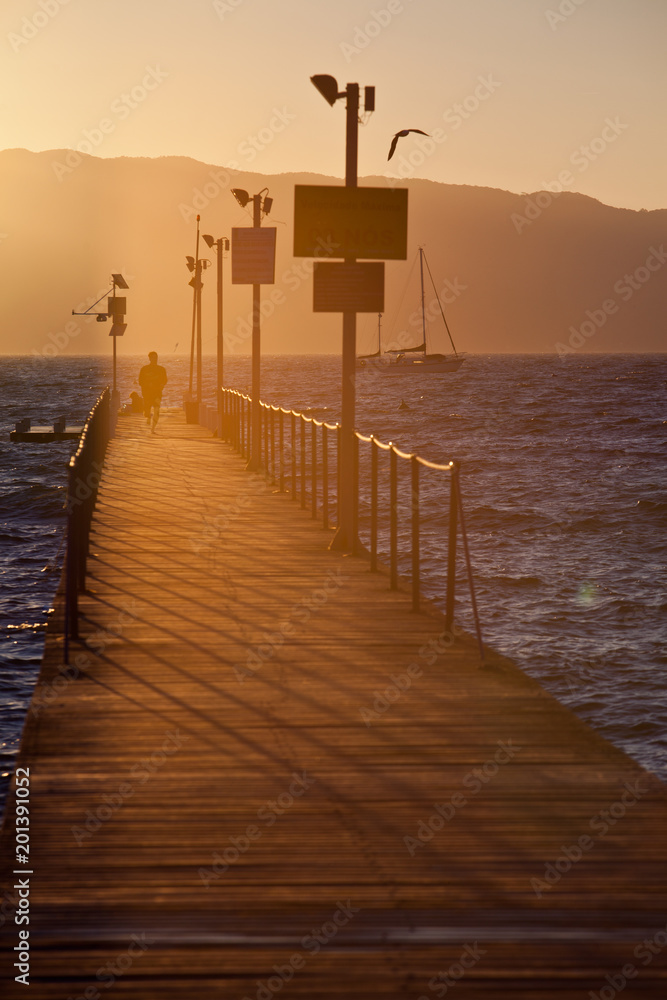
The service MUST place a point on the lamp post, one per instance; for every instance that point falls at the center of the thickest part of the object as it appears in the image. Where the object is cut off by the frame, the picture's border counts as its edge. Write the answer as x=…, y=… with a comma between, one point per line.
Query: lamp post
x=345, y=538
x=220, y=245
x=258, y=207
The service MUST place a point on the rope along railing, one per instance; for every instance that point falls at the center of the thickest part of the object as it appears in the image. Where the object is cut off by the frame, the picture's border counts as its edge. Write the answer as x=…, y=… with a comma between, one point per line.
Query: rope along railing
x=296, y=457
x=83, y=480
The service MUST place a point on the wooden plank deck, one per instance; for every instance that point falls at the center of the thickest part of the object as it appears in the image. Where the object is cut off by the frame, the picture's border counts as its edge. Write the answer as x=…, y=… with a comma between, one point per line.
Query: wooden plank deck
x=212, y=816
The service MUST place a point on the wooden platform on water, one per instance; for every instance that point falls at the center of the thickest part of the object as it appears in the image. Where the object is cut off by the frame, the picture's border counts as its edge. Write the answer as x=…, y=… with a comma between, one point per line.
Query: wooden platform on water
x=195, y=829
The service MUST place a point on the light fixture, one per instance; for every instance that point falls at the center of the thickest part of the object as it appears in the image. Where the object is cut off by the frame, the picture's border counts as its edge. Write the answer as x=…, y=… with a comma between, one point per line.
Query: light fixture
x=327, y=86
x=191, y=263
x=241, y=196
x=208, y=240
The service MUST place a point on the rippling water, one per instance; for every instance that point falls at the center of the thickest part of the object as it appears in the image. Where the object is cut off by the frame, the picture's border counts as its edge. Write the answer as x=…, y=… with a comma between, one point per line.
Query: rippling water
x=563, y=475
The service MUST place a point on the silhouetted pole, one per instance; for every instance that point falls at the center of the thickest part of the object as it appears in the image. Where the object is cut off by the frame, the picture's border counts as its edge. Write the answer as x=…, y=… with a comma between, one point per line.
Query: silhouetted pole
x=221, y=367
x=220, y=246
x=345, y=538
x=198, y=288
x=194, y=314
x=256, y=442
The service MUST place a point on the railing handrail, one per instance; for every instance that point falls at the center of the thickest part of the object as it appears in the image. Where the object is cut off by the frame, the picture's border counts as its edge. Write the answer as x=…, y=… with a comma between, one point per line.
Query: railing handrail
x=239, y=435
x=83, y=476
x=370, y=439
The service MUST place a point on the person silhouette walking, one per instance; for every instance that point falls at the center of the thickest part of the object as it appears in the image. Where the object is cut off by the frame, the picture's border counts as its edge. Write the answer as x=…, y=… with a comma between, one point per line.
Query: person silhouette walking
x=152, y=379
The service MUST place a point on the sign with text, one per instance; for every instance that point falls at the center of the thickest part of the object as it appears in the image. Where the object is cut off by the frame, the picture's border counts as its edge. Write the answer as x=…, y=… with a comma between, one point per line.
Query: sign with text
x=348, y=287
x=253, y=256
x=354, y=221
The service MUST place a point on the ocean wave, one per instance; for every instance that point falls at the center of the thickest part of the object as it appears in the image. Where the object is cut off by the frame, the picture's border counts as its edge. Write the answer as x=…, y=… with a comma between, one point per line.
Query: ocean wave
x=652, y=506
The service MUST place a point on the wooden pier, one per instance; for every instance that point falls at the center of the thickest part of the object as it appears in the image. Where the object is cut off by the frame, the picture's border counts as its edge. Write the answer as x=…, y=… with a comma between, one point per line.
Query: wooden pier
x=262, y=775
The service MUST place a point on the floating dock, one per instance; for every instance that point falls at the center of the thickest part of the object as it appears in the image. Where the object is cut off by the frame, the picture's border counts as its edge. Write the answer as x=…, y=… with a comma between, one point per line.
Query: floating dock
x=262, y=775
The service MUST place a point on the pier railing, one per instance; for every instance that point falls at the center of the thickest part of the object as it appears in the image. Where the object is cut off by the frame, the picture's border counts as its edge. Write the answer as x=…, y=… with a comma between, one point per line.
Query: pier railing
x=83, y=479
x=300, y=454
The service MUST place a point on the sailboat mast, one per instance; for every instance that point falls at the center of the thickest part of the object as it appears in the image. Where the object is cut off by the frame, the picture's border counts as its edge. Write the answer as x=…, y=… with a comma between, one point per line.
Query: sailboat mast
x=379, y=334
x=421, y=276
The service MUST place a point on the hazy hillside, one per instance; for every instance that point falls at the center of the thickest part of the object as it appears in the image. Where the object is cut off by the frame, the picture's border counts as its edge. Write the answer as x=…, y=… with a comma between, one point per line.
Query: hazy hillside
x=519, y=284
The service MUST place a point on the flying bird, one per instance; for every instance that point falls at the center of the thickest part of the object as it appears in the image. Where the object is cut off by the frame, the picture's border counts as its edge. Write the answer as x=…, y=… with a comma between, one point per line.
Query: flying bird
x=399, y=135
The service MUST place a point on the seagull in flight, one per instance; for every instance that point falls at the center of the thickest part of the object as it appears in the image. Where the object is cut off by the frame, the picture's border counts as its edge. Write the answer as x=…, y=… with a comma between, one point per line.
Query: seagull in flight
x=399, y=135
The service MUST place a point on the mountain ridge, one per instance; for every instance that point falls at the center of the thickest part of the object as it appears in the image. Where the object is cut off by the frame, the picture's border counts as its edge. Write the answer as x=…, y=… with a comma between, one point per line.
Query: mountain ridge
x=532, y=271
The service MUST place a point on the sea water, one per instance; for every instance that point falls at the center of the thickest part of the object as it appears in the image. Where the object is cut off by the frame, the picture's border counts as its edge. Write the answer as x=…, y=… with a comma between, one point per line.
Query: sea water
x=563, y=465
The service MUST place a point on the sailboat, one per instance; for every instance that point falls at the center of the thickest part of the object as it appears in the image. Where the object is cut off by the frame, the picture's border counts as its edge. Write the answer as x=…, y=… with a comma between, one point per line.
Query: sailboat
x=415, y=360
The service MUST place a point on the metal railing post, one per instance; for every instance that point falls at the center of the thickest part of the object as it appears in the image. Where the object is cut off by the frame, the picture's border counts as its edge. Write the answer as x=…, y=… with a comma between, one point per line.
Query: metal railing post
x=293, y=422
x=355, y=519
x=325, y=477
x=393, y=520
x=471, y=585
x=281, y=446
x=414, y=463
x=313, y=469
x=374, y=504
x=339, y=471
x=451, y=549
x=303, y=462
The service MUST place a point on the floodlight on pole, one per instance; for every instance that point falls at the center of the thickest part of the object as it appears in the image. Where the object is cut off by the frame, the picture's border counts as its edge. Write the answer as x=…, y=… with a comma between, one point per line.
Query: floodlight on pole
x=241, y=196
x=259, y=208
x=327, y=87
x=346, y=538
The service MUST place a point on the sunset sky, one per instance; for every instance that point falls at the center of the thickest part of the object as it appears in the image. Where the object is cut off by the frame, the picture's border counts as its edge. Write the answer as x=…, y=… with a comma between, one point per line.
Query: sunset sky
x=517, y=92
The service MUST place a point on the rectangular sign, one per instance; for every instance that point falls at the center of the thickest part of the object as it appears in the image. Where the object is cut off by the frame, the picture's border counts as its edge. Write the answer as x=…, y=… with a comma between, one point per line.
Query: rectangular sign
x=355, y=221
x=253, y=256
x=348, y=287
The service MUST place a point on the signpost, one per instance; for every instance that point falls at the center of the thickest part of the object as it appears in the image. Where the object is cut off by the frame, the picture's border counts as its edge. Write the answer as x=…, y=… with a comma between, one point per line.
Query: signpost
x=253, y=256
x=344, y=221
x=348, y=287
x=349, y=222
